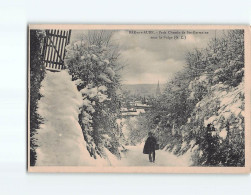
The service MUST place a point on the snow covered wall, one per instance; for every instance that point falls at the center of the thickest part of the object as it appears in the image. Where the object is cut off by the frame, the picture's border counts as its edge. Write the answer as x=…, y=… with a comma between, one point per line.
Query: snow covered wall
x=60, y=139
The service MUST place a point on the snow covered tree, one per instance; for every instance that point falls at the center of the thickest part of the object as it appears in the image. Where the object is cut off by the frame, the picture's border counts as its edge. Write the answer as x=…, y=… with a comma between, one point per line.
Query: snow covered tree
x=209, y=90
x=94, y=64
x=223, y=103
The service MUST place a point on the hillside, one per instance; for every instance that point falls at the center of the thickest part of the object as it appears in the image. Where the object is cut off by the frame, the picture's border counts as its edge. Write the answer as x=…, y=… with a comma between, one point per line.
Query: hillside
x=203, y=107
x=142, y=89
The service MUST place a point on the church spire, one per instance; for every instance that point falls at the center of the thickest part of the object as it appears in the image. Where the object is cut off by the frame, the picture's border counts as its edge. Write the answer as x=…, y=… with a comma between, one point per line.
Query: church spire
x=158, y=93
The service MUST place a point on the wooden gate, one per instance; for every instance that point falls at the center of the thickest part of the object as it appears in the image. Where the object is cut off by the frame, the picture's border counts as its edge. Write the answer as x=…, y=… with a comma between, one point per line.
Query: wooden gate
x=53, y=51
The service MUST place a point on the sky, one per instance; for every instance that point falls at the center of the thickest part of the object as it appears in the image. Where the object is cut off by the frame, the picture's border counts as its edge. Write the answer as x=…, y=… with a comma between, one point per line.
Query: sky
x=149, y=60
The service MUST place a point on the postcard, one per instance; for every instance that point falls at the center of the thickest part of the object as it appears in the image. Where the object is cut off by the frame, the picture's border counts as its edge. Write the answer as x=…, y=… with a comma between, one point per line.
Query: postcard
x=139, y=98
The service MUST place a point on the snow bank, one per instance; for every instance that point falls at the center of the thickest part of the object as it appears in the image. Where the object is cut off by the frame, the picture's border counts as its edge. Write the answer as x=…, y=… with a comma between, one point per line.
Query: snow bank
x=60, y=140
x=231, y=106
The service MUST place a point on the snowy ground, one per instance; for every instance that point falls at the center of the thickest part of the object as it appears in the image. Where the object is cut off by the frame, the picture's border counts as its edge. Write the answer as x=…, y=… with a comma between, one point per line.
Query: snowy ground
x=135, y=157
x=60, y=140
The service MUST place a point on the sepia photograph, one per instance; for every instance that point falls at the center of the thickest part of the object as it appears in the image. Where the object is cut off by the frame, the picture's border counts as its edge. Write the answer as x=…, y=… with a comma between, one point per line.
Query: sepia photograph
x=125, y=97
x=107, y=98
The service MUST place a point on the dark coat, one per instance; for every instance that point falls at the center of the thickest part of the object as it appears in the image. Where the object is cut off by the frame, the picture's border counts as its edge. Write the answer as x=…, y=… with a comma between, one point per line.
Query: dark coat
x=149, y=145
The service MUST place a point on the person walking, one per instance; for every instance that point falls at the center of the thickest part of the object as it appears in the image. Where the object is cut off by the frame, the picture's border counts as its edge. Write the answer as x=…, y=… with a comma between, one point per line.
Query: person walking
x=150, y=147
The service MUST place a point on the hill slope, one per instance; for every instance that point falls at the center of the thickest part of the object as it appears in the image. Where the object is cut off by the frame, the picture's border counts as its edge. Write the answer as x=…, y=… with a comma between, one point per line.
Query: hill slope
x=142, y=89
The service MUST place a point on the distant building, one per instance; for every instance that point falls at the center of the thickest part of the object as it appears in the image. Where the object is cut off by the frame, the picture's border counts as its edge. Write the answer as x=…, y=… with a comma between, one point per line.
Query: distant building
x=136, y=108
x=158, y=93
x=134, y=112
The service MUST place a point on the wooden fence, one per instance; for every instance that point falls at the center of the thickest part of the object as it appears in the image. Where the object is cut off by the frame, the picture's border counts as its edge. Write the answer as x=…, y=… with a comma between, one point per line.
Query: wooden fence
x=53, y=51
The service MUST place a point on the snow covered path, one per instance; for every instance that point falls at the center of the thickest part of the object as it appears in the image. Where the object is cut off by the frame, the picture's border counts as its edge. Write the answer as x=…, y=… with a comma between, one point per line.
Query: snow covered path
x=135, y=157
x=60, y=140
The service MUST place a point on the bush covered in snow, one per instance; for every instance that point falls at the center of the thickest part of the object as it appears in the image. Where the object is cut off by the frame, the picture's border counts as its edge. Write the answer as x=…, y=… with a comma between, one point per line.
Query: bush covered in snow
x=94, y=66
x=135, y=129
x=210, y=90
x=37, y=71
